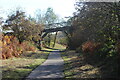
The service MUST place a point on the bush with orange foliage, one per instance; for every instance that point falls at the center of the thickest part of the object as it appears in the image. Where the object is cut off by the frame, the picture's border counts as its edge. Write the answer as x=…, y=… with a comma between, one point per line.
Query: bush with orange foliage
x=27, y=47
x=9, y=47
x=90, y=46
x=0, y=49
x=12, y=48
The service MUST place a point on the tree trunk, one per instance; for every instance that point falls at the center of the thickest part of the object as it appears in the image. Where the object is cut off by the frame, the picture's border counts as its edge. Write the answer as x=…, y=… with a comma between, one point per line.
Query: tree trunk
x=55, y=39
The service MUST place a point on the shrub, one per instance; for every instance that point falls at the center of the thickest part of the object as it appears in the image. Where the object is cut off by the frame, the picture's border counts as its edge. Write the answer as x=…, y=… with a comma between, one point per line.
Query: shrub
x=7, y=52
x=11, y=47
x=90, y=46
x=26, y=46
x=78, y=50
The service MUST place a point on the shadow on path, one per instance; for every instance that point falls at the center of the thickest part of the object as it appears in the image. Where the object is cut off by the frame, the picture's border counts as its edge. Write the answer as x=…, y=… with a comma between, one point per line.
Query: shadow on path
x=53, y=50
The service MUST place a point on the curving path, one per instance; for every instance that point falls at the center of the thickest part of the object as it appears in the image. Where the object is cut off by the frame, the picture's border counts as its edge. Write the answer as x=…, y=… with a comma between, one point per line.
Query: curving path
x=51, y=68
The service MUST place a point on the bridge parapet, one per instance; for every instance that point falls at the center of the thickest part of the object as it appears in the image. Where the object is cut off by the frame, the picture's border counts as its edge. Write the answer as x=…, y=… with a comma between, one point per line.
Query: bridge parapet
x=46, y=31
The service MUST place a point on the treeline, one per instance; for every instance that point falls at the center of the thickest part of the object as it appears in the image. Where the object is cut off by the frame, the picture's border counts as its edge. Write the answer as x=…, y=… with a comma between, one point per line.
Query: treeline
x=96, y=32
x=21, y=32
x=96, y=23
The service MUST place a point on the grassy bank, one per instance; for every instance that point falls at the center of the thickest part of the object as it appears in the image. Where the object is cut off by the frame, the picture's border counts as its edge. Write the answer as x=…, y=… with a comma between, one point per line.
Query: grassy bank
x=17, y=68
x=76, y=67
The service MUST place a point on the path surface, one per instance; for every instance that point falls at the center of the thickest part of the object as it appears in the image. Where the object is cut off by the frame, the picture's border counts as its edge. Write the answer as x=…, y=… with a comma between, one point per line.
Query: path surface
x=51, y=68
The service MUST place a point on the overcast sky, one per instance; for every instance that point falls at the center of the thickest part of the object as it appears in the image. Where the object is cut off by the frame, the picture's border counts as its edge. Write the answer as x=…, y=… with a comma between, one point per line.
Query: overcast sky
x=63, y=8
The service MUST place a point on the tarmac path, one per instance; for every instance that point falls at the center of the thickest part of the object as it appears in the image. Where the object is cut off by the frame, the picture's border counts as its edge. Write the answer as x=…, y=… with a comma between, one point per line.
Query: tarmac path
x=51, y=68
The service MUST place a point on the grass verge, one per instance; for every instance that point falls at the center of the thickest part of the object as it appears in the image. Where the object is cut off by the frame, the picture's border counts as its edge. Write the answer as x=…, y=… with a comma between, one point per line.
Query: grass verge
x=76, y=67
x=17, y=68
